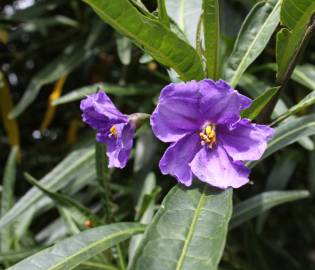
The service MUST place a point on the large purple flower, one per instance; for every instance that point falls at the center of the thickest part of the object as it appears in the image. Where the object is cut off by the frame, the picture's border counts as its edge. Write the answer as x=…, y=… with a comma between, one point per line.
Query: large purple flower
x=114, y=129
x=208, y=138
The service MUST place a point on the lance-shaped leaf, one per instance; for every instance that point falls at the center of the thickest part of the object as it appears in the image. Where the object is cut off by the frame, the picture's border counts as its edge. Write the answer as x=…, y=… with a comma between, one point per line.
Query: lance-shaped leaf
x=296, y=17
x=303, y=104
x=16, y=256
x=58, y=178
x=72, y=57
x=188, y=232
x=211, y=28
x=305, y=75
x=79, y=213
x=253, y=37
x=69, y=253
x=186, y=15
x=259, y=103
x=260, y=203
x=113, y=89
x=7, y=198
x=166, y=47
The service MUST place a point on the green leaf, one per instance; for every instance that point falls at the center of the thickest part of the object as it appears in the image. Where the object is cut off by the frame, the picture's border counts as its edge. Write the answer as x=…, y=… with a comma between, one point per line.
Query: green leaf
x=113, y=89
x=260, y=203
x=211, y=26
x=302, y=74
x=254, y=87
x=259, y=103
x=164, y=19
x=305, y=75
x=72, y=57
x=289, y=132
x=303, y=104
x=188, y=232
x=186, y=15
x=7, y=197
x=78, y=212
x=15, y=256
x=165, y=47
x=296, y=18
x=58, y=178
x=278, y=179
x=253, y=37
x=69, y=253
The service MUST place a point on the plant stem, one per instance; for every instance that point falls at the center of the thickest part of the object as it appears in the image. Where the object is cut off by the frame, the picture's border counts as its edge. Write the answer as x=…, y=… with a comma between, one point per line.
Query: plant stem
x=103, y=178
x=120, y=258
x=283, y=81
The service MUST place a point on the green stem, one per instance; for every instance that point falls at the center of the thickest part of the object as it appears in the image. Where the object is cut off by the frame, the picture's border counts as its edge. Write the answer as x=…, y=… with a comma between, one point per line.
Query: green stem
x=103, y=178
x=283, y=81
x=120, y=258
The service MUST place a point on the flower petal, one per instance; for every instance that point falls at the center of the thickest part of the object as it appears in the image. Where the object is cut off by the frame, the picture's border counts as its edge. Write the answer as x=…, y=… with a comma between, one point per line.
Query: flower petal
x=99, y=111
x=118, y=148
x=244, y=140
x=177, y=112
x=216, y=168
x=177, y=157
x=220, y=103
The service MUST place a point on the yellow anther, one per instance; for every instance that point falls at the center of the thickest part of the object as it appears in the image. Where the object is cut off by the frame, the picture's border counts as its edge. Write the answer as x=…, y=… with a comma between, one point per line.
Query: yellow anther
x=208, y=136
x=208, y=130
x=113, y=131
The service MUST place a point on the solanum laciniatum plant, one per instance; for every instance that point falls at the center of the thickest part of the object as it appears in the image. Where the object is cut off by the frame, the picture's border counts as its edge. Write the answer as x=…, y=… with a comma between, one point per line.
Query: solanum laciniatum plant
x=157, y=135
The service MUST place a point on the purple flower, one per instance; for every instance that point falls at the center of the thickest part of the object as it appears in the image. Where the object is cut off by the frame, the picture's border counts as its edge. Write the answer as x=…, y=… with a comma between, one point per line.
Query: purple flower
x=113, y=128
x=208, y=138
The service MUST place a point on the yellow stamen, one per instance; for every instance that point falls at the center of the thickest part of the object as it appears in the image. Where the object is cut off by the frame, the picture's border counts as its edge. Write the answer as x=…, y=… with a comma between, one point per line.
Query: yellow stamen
x=113, y=131
x=208, y=136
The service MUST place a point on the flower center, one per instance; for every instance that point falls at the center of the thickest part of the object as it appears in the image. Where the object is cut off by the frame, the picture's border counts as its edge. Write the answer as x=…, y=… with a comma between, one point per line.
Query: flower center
x=113, y=132
x=208, y=136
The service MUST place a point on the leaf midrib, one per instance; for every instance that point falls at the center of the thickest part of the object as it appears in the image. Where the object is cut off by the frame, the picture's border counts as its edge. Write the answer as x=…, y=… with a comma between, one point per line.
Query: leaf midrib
x=191, y=229
x=235, y=76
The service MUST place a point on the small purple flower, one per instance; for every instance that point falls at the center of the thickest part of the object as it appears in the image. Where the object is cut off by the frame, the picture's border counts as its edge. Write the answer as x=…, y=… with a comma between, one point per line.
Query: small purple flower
x=208, y=138
x=114, y=129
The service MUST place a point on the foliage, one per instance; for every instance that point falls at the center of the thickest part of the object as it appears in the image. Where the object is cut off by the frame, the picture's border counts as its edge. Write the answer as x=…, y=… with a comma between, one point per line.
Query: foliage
x=82, y=215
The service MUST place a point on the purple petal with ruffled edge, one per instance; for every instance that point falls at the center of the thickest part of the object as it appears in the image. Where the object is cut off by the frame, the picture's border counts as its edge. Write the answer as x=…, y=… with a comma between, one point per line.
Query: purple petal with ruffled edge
x=118, y=149
x=99, y=112
x=216, y=168
x=177, y=157
x=244, y=140
x=177, y=112
x=221, y=104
